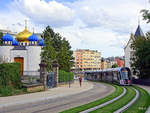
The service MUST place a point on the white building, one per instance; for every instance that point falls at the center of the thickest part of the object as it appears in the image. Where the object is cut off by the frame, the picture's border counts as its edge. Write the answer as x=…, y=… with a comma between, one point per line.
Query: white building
x=128, y=50
x=24, y=47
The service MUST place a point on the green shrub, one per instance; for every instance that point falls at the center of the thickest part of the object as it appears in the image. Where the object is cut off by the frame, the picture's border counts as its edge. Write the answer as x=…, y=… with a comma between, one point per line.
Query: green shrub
x=6, y=91
x=65, y=76
x=10, y=75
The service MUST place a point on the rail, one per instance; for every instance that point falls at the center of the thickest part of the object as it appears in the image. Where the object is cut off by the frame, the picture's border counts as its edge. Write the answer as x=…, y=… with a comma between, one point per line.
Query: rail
x=106, y=103
x=130, y=103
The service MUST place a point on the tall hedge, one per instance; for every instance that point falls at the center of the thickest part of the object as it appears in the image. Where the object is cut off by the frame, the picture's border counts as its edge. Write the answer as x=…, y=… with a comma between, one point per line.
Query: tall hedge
x=10, y=75
x=65, y=76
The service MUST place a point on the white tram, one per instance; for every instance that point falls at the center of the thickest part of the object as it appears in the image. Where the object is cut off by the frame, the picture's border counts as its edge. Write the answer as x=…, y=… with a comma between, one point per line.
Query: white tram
x=121, y=75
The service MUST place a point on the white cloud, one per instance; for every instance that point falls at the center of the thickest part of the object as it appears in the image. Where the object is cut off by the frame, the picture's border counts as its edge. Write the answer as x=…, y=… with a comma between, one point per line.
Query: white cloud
x=52, y=12
x=87, y=24
x=1, y=26
x=117, y=16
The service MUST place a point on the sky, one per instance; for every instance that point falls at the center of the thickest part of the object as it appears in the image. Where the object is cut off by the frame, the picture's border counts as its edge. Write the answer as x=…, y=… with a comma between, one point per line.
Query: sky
x=103, y=25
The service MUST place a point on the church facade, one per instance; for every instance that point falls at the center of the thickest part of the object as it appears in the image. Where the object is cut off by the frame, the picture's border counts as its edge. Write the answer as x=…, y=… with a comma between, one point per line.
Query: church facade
x=128, y=50
x=24, y=47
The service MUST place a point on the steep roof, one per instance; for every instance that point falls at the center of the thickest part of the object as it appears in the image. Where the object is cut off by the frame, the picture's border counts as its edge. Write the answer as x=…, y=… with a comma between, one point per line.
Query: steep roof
x=139, y=32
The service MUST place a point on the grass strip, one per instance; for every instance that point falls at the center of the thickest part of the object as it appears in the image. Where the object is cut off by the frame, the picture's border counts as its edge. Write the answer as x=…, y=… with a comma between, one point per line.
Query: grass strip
x=130, y=94
x=141, y=105
x=117, y=92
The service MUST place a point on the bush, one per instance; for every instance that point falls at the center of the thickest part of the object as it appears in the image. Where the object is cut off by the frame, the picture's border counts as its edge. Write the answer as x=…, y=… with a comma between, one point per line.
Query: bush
x=10, y=75
x=65, y=76
x=6, y=91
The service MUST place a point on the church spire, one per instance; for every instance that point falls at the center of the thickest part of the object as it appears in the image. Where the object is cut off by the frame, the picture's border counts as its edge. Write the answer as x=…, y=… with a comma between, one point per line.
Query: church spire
x=139, y=31
x=25, y=24
x=139, y=20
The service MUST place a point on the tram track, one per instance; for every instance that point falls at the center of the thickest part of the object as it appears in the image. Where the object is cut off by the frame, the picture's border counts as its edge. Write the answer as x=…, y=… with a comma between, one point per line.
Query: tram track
x=118, y=104
x=127, y=102
x=130, y=103
x=106, y=103
x=118, y=91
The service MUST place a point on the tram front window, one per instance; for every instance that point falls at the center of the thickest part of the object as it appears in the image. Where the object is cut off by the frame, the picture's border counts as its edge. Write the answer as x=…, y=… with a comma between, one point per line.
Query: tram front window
x=124, y=74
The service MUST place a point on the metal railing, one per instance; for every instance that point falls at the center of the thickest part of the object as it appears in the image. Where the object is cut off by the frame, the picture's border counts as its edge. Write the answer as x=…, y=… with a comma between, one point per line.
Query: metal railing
x=31, y=73
x=31, y=77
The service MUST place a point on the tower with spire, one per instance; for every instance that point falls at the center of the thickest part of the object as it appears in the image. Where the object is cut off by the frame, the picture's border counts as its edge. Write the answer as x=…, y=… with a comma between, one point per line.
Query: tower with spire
x=128, y=50
x=139, y=31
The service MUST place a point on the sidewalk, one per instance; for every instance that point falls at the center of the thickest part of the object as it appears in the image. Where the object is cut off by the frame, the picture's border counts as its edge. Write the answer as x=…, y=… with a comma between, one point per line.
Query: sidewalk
x=60, y=91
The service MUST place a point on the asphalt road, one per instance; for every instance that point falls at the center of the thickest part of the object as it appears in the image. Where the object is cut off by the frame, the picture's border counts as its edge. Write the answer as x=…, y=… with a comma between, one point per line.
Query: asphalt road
x=61, y=103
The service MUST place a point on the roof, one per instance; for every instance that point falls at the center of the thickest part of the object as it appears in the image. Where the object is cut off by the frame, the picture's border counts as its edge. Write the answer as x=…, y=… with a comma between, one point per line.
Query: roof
x=33, y=37
x=7, y=37
x=15, y=42
x=41, y=43
x=139, y=32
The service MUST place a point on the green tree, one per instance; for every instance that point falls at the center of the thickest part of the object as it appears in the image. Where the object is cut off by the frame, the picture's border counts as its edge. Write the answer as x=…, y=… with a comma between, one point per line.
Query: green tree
x=65, y=58
x=146, y=15
x=141, y=56
x=114, y=65
x=48, y=52
x=56, y=48
x=55, y=38
x=1, y=35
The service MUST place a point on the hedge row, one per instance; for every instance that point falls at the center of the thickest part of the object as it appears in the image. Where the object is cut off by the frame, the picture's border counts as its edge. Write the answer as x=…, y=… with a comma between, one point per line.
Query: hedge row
x=10, y=75
x=65, y=76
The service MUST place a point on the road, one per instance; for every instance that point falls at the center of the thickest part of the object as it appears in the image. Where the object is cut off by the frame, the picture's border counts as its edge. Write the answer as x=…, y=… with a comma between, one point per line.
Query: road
x=61, y=103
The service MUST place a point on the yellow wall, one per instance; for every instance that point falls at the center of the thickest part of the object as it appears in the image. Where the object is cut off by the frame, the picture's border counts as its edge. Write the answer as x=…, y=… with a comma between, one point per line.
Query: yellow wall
x=87, y=59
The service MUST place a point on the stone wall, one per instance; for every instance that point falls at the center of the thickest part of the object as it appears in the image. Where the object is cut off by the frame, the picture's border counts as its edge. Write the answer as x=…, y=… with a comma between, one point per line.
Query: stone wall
x=35, y=88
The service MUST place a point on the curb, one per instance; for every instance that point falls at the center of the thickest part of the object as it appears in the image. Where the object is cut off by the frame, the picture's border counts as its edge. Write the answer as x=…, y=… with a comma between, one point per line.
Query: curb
x=40, y=99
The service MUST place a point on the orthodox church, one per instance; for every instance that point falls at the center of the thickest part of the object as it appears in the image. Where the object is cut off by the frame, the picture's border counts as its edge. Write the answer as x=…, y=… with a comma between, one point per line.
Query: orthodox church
x=128, y=50
x=24, y=47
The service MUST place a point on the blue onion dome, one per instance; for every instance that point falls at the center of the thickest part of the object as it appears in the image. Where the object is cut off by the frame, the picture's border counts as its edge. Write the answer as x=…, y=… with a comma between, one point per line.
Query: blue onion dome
x=41, y=43
x=7, y=37
x=15, y=42
x=33, y=37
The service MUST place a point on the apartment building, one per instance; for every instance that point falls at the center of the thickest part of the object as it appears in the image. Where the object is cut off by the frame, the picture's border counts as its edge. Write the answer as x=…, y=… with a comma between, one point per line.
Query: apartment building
x=86, y=59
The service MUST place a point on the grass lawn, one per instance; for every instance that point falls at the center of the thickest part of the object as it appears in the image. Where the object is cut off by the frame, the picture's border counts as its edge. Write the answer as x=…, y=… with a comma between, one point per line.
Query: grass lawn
x=130, y=94
x=117, y=92
x=141, y=104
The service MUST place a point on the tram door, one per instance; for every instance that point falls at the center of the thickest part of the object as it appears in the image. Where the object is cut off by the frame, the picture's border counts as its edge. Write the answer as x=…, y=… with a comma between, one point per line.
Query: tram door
x=20, y=60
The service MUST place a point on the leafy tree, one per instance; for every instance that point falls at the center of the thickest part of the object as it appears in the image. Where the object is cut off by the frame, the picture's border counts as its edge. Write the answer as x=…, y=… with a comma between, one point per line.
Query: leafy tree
x=55, y=38
x=146, y=15
x=114, y=65
x=57, y=41
x=65, y=56
x=1, y=35
x=141, y=56
x=56, y=48
x=48, y=52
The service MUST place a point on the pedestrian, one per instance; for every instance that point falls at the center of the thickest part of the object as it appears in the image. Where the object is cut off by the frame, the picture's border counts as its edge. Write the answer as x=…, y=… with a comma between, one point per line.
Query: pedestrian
x=80, y=80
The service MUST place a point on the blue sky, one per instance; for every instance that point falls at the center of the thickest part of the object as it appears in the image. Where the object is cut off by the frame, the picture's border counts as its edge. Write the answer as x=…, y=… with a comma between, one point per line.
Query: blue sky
x=88, y=24
x=4, y=3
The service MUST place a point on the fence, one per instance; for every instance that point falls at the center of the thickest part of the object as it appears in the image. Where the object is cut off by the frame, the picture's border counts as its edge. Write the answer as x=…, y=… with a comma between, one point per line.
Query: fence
x=31, y=77
x=31, y=73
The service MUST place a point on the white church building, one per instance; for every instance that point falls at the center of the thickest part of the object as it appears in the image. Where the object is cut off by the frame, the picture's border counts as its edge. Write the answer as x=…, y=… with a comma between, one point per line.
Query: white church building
x=24, y=47
x=128, y=50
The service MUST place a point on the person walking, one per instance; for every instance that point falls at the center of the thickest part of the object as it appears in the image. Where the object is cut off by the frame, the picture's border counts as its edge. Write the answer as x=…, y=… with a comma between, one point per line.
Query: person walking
x=80, y=80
